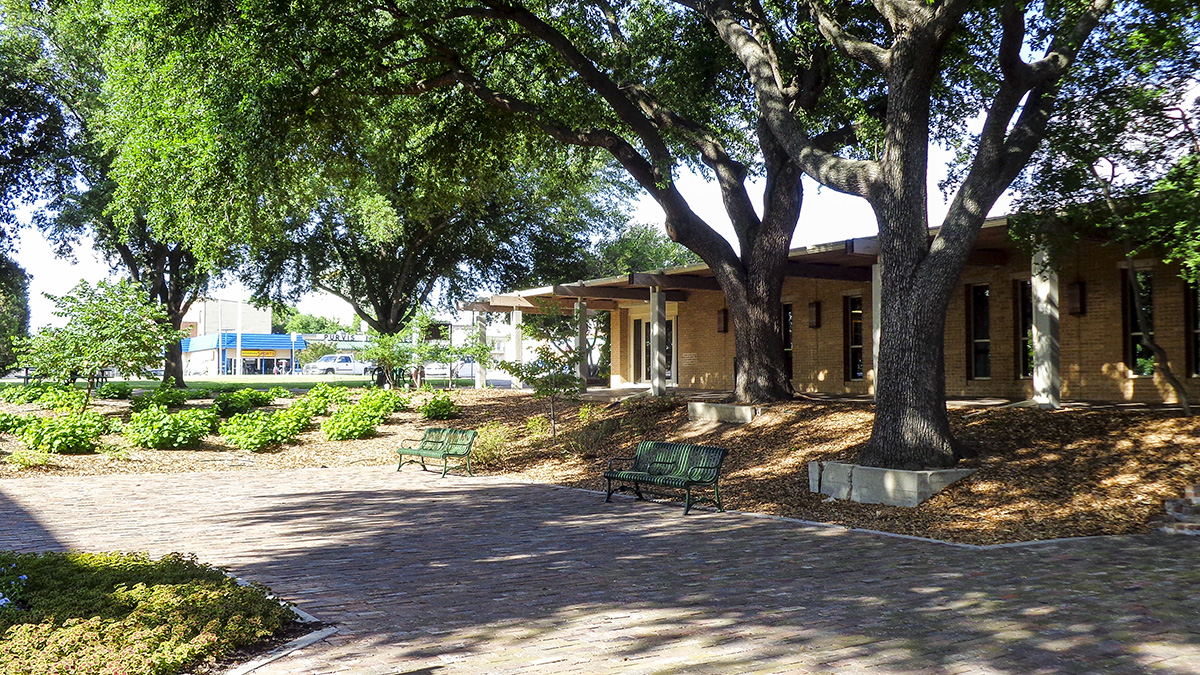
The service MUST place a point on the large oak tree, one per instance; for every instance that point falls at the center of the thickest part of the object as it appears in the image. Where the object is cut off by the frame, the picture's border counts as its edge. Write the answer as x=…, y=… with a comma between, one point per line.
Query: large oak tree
x=939, y=64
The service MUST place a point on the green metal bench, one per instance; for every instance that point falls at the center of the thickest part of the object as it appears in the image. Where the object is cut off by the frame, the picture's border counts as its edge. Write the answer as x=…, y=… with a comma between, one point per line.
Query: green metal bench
x=439, y=444
x=674, y=465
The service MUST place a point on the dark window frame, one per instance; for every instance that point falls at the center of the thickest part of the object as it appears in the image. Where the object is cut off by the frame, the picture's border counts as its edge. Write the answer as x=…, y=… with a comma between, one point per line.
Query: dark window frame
x=1023, y=360
x=974, y=341
x=853, y=352
x=787, y=319
x=1132, y=344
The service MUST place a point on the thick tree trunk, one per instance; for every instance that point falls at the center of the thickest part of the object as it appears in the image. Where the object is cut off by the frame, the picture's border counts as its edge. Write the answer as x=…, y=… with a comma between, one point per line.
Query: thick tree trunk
x=760, y=373
x=173, y=358
x=911, y=428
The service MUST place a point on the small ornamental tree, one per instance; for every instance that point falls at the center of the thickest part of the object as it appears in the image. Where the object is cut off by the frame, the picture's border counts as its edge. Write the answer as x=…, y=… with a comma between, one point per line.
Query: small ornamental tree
x=392, y=354
x=109, y=326
x=552, y=376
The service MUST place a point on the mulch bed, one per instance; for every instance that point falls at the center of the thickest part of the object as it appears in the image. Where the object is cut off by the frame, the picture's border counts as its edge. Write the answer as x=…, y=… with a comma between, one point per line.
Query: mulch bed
x=1042, y=474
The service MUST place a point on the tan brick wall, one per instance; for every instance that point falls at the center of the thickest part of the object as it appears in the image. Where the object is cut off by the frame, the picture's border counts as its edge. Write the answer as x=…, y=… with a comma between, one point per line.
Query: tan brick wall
x=1004, y=381
x=1092, y=345
x=705, y=356
x=818, y=354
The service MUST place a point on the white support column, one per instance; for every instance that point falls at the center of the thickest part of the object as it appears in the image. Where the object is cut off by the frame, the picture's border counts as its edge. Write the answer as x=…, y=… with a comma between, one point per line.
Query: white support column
x=1047, y=382
x=876, y=320
x=518, y=347
x=581, y=348
x=238, y=366
x=658, y=342
x=480, y=371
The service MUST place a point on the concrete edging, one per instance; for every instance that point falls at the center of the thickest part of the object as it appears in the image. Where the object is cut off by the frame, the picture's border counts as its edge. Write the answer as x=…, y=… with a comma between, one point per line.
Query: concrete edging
x=289, y=647
x=874, y=485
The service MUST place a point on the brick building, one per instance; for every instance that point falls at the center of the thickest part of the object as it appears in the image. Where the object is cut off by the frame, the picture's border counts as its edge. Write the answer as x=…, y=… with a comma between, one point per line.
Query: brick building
x=1015, y=329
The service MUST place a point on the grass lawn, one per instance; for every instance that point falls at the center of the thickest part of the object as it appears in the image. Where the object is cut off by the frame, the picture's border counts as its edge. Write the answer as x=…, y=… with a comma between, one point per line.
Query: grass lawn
x=103, y=613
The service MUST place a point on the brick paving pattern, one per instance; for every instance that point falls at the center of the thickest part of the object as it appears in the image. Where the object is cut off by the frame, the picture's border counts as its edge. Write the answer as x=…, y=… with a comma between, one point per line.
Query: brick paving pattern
x=485, y=575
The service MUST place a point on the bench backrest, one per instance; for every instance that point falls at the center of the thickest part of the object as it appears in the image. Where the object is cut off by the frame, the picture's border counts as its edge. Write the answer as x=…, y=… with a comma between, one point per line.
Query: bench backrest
x=700, y=463
x=449, y=441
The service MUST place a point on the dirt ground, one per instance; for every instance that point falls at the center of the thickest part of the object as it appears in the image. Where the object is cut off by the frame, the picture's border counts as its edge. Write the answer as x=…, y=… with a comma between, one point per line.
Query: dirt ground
x=1041, y=474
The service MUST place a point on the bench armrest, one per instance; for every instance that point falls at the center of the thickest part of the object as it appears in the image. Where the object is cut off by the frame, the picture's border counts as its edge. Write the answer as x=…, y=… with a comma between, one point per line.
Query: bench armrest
x=409, y=440
x=618, y=459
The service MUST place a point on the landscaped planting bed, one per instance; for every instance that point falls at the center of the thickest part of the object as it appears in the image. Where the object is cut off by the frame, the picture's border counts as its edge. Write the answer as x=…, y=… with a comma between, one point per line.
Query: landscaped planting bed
x=107, y=613
x=1042, y=474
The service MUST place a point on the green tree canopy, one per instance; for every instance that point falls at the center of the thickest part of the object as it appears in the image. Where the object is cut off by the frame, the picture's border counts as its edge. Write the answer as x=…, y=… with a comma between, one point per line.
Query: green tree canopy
x=14, y=310
x=108, y=326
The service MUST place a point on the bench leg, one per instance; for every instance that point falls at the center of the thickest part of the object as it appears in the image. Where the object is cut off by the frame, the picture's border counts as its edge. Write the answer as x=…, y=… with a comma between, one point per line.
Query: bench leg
x=445, y=465
x=717, y=494
x=687, y=502
x=609, y=491
x=637, y=489
x=469, y=471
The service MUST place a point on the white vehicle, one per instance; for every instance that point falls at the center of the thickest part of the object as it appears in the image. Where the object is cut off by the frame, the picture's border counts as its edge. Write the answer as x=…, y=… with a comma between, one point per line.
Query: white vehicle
x=338, y=364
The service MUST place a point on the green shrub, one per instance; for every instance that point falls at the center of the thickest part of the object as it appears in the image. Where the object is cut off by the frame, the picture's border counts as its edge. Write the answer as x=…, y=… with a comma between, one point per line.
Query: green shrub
x=166, y=395
x=66, y=434
x=350, y=421
x=537, y=426
x=154, y=427
x=586, y=412
x=489, y=445
x=331, y=395
x=61, y=398
x=592, y=436
x=253, y=431
x=93, y=614
x=26, y=393
x=194, y=394
x=280, y=392
x=12, y=423
x=289, y=422
x=383, y=402
x=439, y=407
x=28, y=457
x=313, y=407
x=243, y=400
x=115, y=390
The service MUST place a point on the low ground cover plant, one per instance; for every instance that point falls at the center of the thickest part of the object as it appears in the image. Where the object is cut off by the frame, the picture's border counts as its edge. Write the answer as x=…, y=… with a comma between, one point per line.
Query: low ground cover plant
x=115, y=390
x=383, y=401
x=166, y=395
x=12, y=423
x=255, y=431
x=93, y=614
x=241, y=401
x=329, y=394
x=66, y=434
x=351, y=421
x=439, y=407
x=157, y=428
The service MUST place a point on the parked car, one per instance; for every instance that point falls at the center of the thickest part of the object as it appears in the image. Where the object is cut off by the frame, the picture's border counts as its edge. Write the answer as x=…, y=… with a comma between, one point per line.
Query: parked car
x=338, y=364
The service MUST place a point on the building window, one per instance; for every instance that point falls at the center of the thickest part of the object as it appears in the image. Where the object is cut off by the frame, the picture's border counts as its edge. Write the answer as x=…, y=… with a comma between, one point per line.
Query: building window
x=1023, y=315
x=786, y=320
x=1138, y=357
x=643, y=355
x=1193, y=319
x=637, y=350
x=979, y=335
x=853, y=333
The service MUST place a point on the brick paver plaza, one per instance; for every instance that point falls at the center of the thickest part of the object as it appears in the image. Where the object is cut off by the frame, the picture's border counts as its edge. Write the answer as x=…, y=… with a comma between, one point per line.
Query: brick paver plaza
x=485, y=575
